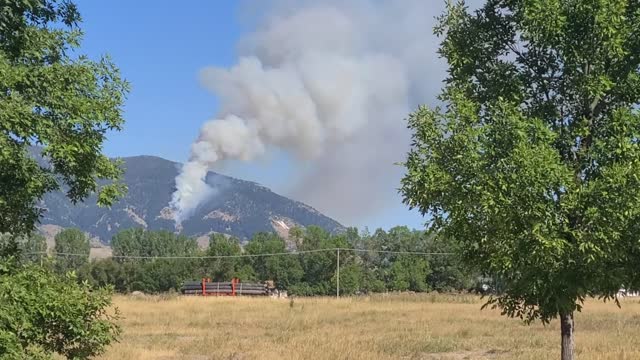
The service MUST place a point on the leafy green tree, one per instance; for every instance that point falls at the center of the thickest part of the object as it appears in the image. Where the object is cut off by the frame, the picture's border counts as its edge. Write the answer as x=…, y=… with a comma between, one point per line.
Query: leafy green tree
x=448, y=271
x=285, y=270
x=296, y=234
x=533, y=163
x=105, y=272
x=61, y=317
x=409, y=273
x=63, y=104
x=72, y=250
x=31, y=248
x=144, y=243
x=146, y=273
x=34, y=248
x=319, y=267
x=224, y=269
x=399, y=272
x=351, y=277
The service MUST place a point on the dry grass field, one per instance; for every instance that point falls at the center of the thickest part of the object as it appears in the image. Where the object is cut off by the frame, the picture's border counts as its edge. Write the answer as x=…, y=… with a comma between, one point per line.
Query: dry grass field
x=380, y=327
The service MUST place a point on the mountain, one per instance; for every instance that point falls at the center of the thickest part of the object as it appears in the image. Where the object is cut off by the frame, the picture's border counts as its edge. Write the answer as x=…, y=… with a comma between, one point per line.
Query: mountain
x=240, y=208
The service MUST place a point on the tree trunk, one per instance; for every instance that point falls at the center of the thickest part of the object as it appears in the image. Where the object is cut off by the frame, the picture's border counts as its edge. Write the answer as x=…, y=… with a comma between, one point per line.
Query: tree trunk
x=567, y=329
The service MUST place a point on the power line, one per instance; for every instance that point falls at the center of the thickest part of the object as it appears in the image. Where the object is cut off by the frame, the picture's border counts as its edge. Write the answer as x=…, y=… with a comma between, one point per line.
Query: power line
x=184, y=257
x=399, y=252
x=247, y=255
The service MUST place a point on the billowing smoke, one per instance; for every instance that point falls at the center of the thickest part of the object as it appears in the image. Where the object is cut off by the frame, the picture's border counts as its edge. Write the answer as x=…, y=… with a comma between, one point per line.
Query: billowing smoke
x=330, y=82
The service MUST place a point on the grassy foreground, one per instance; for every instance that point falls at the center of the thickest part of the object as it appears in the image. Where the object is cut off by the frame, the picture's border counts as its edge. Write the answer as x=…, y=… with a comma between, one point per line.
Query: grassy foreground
x=380, y=327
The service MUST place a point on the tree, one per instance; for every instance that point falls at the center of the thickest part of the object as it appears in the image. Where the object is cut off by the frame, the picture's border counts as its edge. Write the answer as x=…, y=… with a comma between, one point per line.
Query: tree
x=285, y=270
x=149, y=274
x=145, y=243
x=65, y=105
x=34, y=247
x=106, y=272
x=72, y=250
x=448, y=272
x=224, y=269
x=31, y=248
x=533, y=161
x=55, y=111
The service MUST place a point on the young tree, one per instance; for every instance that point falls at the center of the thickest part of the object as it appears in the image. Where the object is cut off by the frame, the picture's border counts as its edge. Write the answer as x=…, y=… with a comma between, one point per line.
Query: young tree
x=533, y=164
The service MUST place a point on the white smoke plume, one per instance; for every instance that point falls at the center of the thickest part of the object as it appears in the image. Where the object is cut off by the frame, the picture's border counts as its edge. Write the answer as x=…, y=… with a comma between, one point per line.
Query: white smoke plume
x=330, y=82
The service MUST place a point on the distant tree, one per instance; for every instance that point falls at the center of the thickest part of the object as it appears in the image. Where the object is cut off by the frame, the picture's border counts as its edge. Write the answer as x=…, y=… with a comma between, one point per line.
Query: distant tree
x=105, y=272
x=145, y=243
x=34, y=248
x=296, y=234
x=351, y=276
x=142, y=271
x=399, y=272
x=72, y=250
x=285, y=270
x=30, y=248
x=224, y=269
x=319, y=267
x=533, y=163
x=409, y=273
x=448, y=272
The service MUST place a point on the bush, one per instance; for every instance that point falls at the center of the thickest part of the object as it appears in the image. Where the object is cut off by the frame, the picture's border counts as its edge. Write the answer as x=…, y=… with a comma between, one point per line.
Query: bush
x=43, y=314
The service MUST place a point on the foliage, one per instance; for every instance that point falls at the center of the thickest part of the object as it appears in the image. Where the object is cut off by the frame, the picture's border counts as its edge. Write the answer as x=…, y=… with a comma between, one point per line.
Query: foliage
x=226, y=268
x=146, y=273
x=63, y=104
x=42, y=314
x=284, y=270
x=55, y=111
x=140, y=242
x=67, y=242
x=448, y=272
x=31, y=248
x=307, y=273
x=533, y=163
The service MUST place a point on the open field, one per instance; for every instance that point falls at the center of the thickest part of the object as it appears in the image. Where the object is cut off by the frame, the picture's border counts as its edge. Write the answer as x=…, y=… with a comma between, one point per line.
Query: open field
x=381, y=327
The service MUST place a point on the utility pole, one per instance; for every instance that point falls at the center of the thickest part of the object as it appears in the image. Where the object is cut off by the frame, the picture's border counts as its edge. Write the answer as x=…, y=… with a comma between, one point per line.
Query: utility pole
x=338, y=275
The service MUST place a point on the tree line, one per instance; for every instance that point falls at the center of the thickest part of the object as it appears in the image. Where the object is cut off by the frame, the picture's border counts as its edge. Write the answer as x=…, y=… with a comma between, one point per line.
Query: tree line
x=369, y=262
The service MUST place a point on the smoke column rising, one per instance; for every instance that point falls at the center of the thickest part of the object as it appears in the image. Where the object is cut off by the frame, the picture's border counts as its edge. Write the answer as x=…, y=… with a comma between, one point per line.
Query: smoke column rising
x=329, y=82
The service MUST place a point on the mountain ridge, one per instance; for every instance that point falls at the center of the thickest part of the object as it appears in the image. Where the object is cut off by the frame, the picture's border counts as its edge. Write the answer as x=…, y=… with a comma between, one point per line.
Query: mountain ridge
x=239, y=208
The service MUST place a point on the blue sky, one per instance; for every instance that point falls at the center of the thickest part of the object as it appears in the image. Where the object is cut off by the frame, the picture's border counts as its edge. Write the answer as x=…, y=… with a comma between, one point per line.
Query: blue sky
x=160, y=47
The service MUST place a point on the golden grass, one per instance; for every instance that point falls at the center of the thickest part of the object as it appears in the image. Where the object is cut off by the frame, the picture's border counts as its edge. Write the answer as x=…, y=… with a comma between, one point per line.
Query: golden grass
x=378, y=327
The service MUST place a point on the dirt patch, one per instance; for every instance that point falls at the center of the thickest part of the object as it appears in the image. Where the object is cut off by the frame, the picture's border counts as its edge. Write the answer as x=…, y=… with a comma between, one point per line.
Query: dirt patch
x=464, y=355
x=135, y=217
x=166, y=213
x=217, y=214
x=100, y=252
